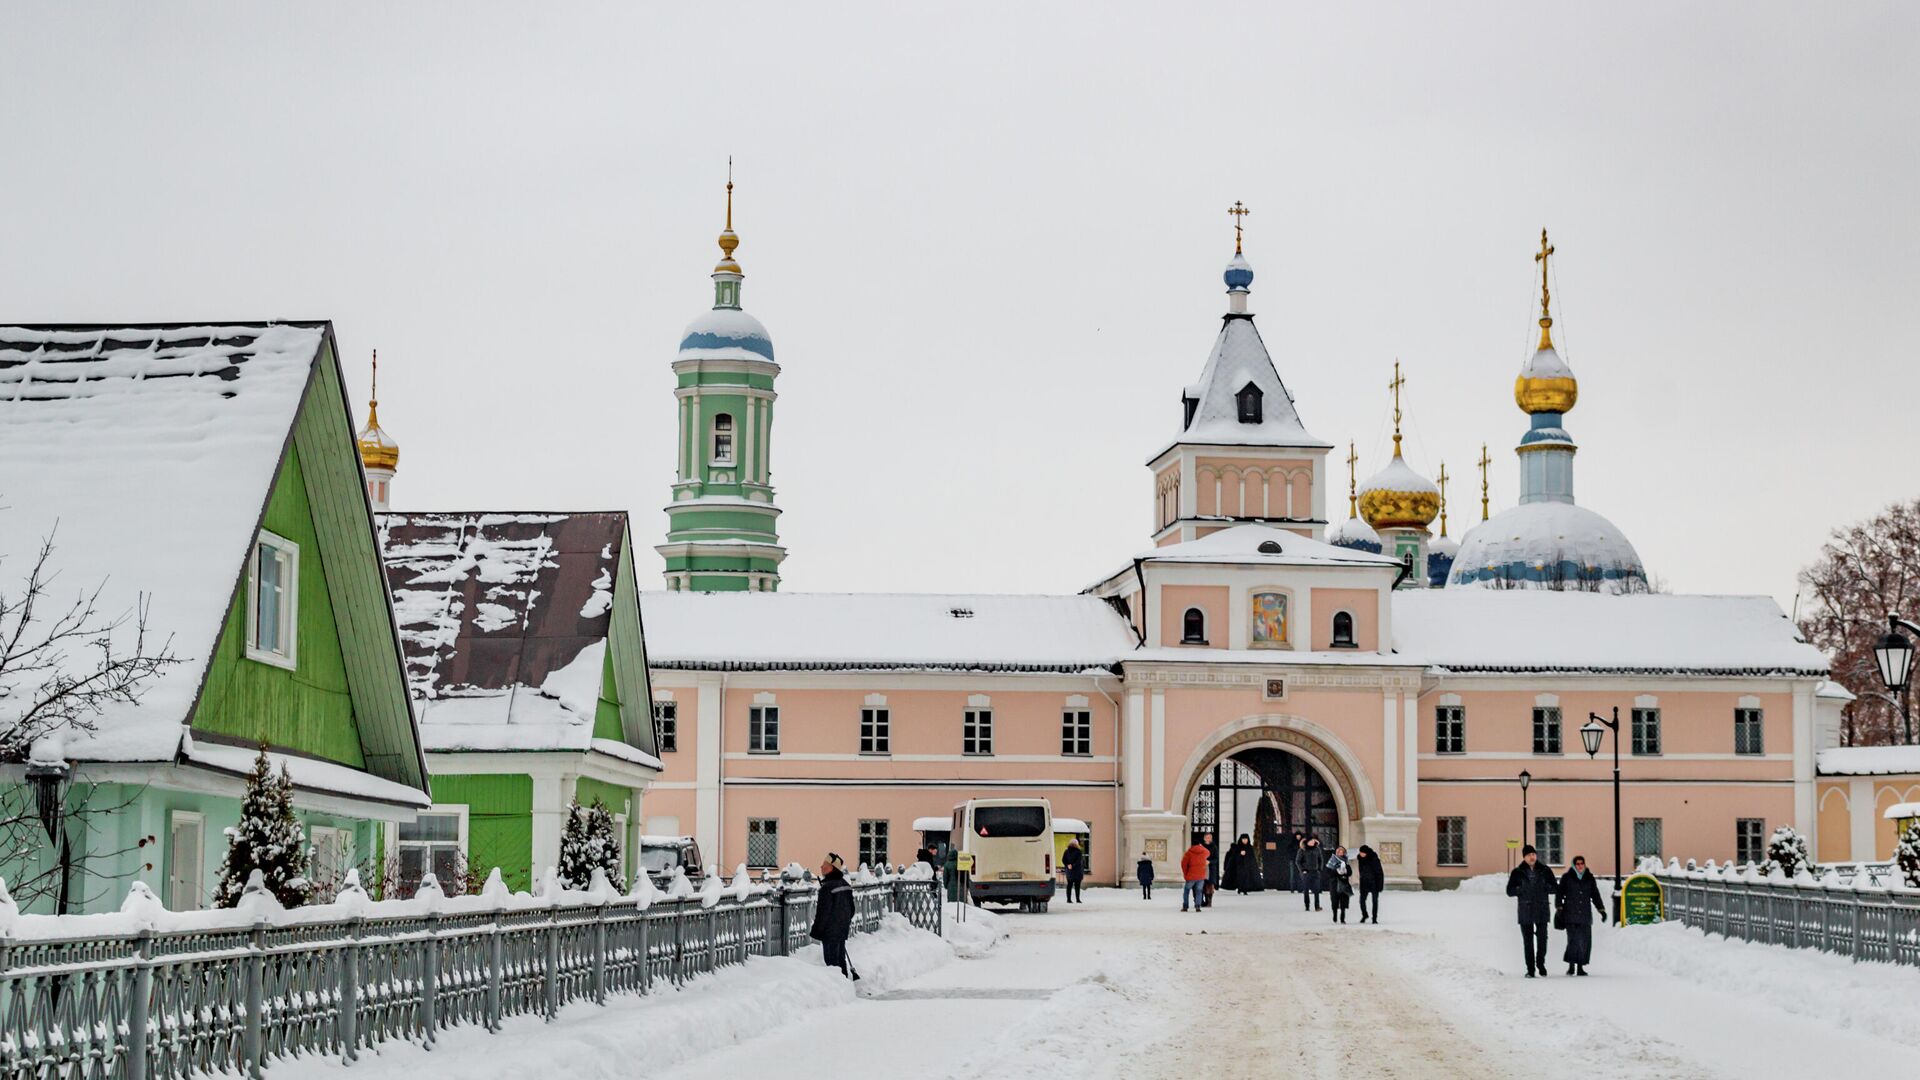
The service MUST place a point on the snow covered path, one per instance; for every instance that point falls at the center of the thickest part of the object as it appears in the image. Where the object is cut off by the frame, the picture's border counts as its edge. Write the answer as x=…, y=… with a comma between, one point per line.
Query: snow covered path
x=1257, y=987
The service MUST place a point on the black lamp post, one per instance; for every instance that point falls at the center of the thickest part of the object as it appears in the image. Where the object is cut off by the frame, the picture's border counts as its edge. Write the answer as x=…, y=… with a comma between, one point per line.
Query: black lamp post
x=1894, y=654
x=49, y=782
x=1590, y=735
x=1526, y=780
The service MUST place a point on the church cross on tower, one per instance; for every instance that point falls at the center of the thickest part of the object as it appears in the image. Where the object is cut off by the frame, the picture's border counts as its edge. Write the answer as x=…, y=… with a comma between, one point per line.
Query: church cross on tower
x=1546, y=317
x=1239, y=212
x=1484, y=462
x=1399, y=381
x=1443, y=498
x=1353, y=497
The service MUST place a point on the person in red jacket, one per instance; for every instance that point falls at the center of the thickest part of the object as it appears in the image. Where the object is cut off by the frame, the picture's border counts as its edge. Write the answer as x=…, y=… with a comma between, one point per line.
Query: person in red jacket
x=1193, y=868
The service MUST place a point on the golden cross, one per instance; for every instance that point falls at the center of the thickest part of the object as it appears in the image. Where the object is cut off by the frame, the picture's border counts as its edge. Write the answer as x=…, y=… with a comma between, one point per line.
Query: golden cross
x=1484, y=462
x=1239, y=212
x=729, y=192
x=1353, y=498
x=1546, y=318
x=1398, y=382
x=1443, y=498
x=373, y=398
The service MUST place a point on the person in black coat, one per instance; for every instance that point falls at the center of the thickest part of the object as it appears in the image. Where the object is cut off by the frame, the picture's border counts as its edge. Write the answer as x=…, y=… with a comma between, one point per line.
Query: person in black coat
x=1074, y=862
x=1242, y=867
x=1339, y=879
x=1532, y=885
x=1578, y=888
x=833, y=915
x=1373, y=879
x=1144, y=871
x=1306, y=873
x=1289, y=850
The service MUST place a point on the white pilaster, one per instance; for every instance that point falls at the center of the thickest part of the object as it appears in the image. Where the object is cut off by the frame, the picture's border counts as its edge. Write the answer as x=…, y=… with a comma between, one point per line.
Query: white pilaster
x=1410, y=804
x=1159, y=749
x=1805, y=807
x=552, y=798
x=1136, y=750
x=706, y=779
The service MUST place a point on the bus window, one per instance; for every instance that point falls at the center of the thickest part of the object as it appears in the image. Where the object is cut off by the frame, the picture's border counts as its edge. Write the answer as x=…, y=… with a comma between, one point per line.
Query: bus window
x=1019, y=822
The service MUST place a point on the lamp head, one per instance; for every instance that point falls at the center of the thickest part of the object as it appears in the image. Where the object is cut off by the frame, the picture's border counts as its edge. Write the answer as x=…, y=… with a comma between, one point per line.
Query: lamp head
x=1526, y=779
x=1894, y=656
x=1590, y=734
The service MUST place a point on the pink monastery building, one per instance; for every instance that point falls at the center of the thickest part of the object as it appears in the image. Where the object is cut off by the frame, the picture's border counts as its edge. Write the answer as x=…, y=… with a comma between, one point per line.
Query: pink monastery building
x=1257, y=668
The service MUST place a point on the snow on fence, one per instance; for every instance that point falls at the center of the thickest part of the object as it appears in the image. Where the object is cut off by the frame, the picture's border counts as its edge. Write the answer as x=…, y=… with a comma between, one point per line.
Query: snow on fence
x=1864, y=914
x=146, y=993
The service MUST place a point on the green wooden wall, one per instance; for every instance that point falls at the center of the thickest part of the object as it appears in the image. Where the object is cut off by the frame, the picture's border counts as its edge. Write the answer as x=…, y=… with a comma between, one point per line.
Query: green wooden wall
x=499, y=822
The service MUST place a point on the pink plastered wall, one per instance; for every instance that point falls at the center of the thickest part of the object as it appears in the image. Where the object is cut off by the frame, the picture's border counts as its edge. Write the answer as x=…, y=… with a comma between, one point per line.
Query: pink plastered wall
x=1362, y=604
x=827, y=721
x=1692, y=722
x=1210, y=599
x=1253, y=487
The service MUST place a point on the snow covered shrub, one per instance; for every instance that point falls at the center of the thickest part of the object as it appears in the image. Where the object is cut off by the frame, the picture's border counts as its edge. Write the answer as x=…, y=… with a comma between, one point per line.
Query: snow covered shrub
x=268, y=840
x=1907, y=855
x=588, y=844
x=1787, y=850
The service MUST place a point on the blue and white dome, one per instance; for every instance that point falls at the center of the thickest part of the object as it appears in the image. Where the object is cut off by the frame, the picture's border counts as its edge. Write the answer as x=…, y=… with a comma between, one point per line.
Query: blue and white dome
x=1548, y=545
x=726, y=334
x=1356, y=535
x=1440, y=555
x=1239, y=275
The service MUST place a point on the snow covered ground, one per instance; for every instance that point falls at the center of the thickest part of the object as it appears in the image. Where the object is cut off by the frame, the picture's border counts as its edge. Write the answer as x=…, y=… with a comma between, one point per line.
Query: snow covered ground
x=1253, y=987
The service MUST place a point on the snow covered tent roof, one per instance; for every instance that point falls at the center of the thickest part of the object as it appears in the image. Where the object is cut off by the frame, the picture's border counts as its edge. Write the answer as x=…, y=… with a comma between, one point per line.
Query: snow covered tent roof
x=507, y=620
x=1867, y=760
x=154, y=449
x=1523, y=630
x=776, y=631
x=1239, y=358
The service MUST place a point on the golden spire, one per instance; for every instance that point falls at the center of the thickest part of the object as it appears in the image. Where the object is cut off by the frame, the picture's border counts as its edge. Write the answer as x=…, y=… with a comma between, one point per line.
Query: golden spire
x=728, y=241
x=1398, y=382
x=1239, y=212
x=1484, y=462
x=1353, y=497
x=1546, y=317
x=1443, y=498
x=373, y=398
x=377, y=448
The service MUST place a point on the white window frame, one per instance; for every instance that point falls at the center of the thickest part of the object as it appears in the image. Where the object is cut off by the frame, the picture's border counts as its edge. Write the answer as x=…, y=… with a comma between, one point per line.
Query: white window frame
x=289, y=607
x=198, y=882
x=1745, y=706
x=1440, y=852
x=763, y=719
x=666, y=702
x=773, y=863
x=1076, y=730
x=976, y=728
x=732, y=433
x=876, y=726
x=394, y=842
x=873, y=830
x=342, y=837
x=1553, y=853
x=1449, y=719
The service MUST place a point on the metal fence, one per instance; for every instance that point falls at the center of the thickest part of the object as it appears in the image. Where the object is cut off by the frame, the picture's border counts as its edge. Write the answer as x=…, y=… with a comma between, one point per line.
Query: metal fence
x=153, y=1004
x=1870, y=923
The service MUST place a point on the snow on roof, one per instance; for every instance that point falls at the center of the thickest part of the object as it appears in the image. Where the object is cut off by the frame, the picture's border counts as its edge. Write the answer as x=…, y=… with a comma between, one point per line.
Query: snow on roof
x=1902, y=810
x=933, y=824
x=1241, y=545
x=1532, y=630
x=725, y=334
x=1240, y=357
x=148, y=452
x=1398, y=476
x=1867, y=760
x=1545, y=363
x=504, y=619
x=309, y=774
x=1069, y=825
x=1832, y=691
x=853, y=631
x=1542, y=545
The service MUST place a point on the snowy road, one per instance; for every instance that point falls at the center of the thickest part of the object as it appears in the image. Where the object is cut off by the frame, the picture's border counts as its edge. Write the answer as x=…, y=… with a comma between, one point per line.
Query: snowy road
x=1256, y=987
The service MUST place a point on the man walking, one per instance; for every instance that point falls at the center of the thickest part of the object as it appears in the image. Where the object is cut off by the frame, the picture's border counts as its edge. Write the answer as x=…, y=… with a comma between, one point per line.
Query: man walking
x=1074, y=862
x=833, y=915
x=1533, y=885
x=1193, y=871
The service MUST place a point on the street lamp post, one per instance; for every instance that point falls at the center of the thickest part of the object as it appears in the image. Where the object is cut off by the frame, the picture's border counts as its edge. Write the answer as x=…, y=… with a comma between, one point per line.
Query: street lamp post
x=49, y=779
x=1590, y=735
x=1894, y=655
x=1526, y=780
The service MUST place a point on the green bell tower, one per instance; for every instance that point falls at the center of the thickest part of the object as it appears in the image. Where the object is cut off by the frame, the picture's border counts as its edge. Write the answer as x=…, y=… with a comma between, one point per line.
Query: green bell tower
x=722, y=532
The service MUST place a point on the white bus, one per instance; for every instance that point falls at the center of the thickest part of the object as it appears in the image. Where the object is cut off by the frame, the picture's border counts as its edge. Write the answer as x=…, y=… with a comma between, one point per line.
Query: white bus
x=1011, y=841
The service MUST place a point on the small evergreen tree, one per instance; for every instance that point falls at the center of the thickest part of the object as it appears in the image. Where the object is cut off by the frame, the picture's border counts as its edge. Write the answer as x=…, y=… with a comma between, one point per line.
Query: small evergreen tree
x=268, y=839
x=587, y=844
x=1907, y=855
x=1787, y=849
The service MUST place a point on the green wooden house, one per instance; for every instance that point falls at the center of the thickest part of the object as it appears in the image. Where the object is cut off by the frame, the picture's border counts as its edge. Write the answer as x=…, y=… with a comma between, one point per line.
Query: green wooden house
x=528, y=670
x=204, y=477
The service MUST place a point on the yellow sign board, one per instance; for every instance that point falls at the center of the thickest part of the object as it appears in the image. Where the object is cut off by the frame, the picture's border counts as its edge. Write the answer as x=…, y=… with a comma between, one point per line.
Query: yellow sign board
x=1512, y=844
x=965, y=862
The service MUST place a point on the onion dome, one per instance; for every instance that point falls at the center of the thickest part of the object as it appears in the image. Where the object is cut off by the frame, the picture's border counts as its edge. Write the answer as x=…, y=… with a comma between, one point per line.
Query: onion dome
x=378, y=450
x=1441, y=552
x=725, y=333
x=1356, y=535
x=1396, y=497
x=1545, y=384
x=1239, y=274
x=1549, y=545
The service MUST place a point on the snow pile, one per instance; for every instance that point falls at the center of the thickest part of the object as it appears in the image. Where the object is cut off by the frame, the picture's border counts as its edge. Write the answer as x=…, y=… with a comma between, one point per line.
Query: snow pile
x=981, y=931
x=1123, y=1003
x=1484, y=885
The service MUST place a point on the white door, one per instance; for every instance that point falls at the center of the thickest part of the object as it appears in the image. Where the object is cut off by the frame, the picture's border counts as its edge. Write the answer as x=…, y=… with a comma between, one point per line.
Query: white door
x=186, y=860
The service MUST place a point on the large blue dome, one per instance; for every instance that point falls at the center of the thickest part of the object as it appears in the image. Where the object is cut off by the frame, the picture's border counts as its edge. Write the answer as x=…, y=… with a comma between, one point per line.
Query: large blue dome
x=1548, y=545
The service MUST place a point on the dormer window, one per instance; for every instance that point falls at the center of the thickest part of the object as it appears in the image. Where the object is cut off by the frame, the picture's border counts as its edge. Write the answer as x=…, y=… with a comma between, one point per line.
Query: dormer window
x=1193, y=627
x=1191, y=405
x=1342, y=630
x=1249, y=401
x=723, y=439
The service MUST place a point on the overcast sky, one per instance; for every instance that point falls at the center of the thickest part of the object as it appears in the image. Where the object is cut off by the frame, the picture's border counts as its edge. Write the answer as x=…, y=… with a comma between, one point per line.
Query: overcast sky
x=987, y=241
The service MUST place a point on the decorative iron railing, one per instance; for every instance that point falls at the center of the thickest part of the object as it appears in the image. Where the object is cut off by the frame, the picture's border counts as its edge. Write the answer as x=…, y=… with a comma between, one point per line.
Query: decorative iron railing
x=1864, y=915
x=168, y=1004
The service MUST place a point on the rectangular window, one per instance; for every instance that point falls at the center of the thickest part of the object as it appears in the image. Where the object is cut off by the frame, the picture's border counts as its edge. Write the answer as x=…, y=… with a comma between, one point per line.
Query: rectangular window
x=1076, y=733
x=433, y=842
x=763, y=729
x=1450, y=729
x=876, y=732
x=1549, y=834
x=763, y=843
x=1747, y=738
x=273, y=582
x=1646, y=731
x=1450, y=848
x=1647, y=838
x=332, y=857
x=186, y=860
x=1750, y=840
x=1546, y=732
x=873, y=843
x=666, y=726
x=976, y=734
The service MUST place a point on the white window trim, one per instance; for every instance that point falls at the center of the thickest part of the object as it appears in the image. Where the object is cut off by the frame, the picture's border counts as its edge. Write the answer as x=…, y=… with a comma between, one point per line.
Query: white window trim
x=883, y=728
x=393, y=828
x=195, y=817
x=290, y=609
x=764, y=700
x=733, y=442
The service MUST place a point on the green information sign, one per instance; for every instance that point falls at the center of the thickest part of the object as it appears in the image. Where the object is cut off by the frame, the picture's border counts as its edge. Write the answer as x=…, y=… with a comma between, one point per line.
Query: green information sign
x=1642, y=901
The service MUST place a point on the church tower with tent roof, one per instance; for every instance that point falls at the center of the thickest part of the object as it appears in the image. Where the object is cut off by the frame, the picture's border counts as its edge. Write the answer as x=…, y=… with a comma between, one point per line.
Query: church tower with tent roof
x=722, y=533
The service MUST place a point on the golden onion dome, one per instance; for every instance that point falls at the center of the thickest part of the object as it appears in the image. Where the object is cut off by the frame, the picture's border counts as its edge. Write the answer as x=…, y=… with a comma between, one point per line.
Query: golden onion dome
x=1396, y=497
x=378, y=450
x=1546, y=384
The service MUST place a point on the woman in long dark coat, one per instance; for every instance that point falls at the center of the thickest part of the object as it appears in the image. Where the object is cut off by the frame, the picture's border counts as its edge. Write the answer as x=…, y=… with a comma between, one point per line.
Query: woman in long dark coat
x=1577, y=890
x=1306, y=873
x=1373, y=878
x=1238, y=869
